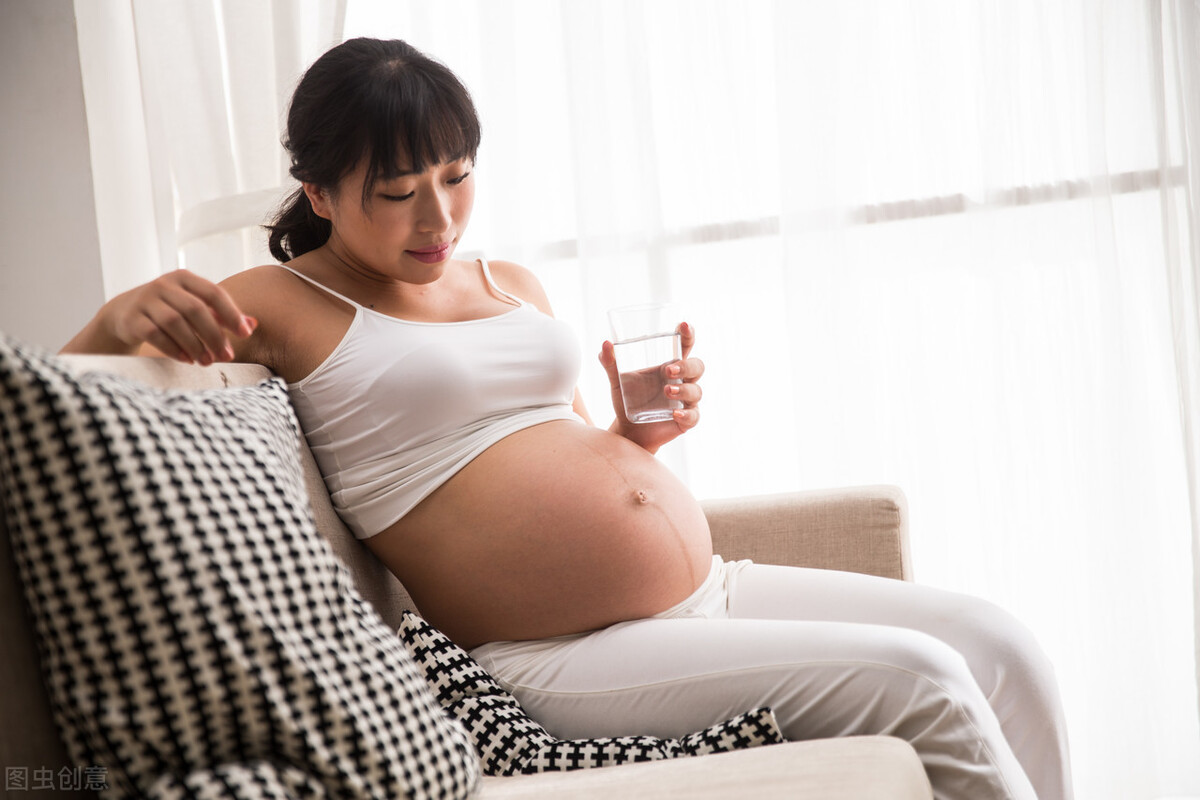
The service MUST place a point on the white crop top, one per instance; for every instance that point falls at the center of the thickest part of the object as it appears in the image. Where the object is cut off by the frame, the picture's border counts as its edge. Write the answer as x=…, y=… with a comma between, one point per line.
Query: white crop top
x=399, y=407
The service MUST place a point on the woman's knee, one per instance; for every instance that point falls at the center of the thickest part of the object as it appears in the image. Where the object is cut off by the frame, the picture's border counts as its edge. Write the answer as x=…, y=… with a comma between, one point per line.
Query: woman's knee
x=1000, y=648
x=930, y=657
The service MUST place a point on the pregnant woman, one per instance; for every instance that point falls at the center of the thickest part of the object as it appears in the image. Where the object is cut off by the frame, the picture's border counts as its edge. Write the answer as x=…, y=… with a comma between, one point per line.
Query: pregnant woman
x=438, y=396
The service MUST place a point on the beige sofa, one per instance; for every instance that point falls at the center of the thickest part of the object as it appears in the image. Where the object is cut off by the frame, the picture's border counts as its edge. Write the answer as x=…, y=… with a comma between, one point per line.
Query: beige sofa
x=860, y=529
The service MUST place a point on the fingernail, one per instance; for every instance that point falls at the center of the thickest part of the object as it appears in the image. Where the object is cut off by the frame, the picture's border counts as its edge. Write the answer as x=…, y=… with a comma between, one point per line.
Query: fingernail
x=673, y=371
x=227, y=353
x=673, y=391
x=248, y=325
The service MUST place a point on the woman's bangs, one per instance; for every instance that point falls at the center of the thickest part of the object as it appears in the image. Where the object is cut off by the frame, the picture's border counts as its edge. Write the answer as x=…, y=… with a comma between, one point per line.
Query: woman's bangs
x=443, y=131
x=425, y=126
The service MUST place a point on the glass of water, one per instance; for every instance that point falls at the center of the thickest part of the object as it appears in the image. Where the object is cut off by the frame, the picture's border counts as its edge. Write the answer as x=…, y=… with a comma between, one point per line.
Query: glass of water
x=646, y=340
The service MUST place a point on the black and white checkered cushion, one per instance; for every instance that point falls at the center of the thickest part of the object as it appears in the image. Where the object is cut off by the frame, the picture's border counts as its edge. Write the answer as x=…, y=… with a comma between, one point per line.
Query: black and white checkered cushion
x=198, y=636
x=509, y=742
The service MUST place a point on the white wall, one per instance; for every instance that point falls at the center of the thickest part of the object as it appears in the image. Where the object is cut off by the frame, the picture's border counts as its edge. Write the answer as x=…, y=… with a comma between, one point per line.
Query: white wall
x=49, y=248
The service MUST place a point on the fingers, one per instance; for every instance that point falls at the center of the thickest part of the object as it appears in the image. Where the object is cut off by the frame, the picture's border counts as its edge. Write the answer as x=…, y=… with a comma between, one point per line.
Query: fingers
x=689, y=369
x=687, y=337
x=185, y=317
x=190, y=326
x=608, y=360
x=686, y=418
x=687, y=393
x=226, y=312
x=147, y=330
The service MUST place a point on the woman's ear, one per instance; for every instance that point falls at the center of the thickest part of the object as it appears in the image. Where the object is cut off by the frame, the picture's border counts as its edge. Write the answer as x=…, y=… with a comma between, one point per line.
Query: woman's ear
x=319, y=199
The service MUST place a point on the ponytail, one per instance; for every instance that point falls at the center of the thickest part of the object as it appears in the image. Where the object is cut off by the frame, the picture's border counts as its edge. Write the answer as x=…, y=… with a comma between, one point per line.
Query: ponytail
x=297, y=229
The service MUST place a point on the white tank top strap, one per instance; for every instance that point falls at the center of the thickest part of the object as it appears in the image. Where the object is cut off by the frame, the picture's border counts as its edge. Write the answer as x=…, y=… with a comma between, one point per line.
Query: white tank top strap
x=487, y=273
x=322, y=287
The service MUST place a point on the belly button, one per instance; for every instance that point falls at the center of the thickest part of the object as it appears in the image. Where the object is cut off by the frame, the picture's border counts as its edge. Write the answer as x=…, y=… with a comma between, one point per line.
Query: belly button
x=641, y=497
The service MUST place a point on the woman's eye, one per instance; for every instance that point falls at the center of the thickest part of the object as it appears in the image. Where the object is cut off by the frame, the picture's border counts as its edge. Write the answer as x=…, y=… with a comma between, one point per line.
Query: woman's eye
x=397, y=197
x=459, y=179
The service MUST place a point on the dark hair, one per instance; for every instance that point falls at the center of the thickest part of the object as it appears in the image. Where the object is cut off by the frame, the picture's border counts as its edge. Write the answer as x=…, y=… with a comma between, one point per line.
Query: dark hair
x=379, y=99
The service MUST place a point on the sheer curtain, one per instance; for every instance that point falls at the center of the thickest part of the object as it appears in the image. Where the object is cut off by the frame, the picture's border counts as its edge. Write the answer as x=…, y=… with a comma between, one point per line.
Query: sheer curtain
x=1178, y=101
x=186, y=104
x=948, y=245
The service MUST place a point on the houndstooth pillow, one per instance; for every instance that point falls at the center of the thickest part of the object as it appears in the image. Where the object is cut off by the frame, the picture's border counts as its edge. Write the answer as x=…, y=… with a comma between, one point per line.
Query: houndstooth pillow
x=510, y=743
x=198, y=636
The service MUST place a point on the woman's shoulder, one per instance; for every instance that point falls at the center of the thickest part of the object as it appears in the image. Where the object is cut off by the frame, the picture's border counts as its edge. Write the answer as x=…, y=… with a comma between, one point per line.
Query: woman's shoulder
x=289, y=315
x=267, y=288
x=513, y=272
x=256, y=278
x=521, y=281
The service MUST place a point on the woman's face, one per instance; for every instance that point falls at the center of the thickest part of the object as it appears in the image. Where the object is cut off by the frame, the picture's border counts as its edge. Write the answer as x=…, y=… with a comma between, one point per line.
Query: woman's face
x=409, y=226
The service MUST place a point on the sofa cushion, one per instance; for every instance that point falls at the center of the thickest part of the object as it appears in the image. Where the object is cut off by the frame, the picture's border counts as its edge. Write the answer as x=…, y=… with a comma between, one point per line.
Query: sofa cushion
x=196, y=633
x=510, y=743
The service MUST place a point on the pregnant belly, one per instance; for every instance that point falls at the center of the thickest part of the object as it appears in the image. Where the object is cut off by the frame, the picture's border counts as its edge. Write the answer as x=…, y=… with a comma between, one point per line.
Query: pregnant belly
x=556, y=529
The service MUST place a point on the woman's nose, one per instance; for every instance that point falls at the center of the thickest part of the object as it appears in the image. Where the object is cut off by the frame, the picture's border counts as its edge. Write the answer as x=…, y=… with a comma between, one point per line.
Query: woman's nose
x=436, y=212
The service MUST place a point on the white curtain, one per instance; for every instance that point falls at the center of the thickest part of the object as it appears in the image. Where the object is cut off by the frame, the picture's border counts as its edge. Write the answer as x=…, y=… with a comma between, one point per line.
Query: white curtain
x=186, y=103
x=943, y=244
x=1178, y=102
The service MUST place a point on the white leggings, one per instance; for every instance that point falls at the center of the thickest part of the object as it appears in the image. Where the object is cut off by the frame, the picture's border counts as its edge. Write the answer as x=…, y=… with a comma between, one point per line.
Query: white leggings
x=833, y=654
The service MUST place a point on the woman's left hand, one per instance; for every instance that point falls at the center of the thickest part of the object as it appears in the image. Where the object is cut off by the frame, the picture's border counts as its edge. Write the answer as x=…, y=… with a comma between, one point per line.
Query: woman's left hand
x=653, y=435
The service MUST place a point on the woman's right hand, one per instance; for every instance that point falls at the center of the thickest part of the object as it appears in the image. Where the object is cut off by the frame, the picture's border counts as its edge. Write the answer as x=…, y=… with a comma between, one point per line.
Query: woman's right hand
x=180, y=314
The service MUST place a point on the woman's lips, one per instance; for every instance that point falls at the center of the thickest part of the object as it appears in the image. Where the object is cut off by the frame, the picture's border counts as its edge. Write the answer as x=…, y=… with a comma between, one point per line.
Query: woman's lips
x=432, y=254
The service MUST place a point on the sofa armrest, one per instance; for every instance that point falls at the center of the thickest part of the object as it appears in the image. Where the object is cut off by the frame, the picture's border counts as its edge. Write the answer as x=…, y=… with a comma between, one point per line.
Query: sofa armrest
x=822, y=769
x=859, y=529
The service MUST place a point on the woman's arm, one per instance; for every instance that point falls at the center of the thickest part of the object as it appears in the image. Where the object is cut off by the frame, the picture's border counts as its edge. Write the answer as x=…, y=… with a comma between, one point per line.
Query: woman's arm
x=179, y=315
